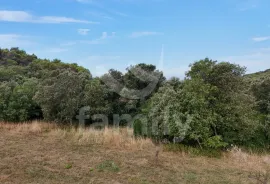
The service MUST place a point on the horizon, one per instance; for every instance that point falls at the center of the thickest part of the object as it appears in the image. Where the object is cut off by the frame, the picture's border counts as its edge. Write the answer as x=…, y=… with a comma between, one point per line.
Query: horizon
x=100, y=35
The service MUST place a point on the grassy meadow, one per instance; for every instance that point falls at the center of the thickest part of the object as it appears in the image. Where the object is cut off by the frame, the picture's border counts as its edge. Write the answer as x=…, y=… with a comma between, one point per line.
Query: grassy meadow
x=45, y=153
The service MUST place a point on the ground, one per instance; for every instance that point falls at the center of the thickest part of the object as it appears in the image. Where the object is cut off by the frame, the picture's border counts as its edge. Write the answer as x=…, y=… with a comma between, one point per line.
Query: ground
x=49, y=155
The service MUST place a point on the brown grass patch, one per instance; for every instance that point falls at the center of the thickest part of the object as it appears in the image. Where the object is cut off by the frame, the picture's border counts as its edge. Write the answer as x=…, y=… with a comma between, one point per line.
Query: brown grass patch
x=28, y=127
x=118, y=138
x=41, y=153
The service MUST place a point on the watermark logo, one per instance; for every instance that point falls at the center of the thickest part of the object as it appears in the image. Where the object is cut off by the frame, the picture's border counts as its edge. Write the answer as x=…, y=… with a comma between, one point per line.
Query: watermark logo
x=152, y=79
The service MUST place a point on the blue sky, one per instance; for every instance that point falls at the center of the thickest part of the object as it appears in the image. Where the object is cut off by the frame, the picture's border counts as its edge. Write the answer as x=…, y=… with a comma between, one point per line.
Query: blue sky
x=104, y=34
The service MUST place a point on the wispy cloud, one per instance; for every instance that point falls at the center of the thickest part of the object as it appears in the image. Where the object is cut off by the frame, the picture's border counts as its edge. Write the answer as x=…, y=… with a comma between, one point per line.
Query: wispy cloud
x=22, y=16
x=118, y=13
x=101, y=6
x=101, y=63
x=99, y=40
x=53, y=19
x=257, y=60
x=266, y=49
x=245, y=8
x=55, y=50
x=144, y=33
x=86, y=1
x=138, y=1
x=14, y=40
x=248, y=5
x=170, y=72
x=71, y=43
x=100, y=15
x=261, y=39
x=104, y=36
x=83, y=31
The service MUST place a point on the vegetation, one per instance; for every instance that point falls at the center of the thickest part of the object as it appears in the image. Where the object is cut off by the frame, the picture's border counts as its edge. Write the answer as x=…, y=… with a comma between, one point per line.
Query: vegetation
x=39, y=152
x=215, y=106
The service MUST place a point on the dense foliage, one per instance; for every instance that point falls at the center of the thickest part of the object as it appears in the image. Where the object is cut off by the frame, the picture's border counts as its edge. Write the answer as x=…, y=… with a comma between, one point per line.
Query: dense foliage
x=216, y=105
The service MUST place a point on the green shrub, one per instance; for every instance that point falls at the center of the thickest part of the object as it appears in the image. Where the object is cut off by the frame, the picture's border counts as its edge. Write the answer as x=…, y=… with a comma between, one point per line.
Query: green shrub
x=137, y=128
x=215, y=142
x=108, y=166
x=68, y=166
x=194, y=151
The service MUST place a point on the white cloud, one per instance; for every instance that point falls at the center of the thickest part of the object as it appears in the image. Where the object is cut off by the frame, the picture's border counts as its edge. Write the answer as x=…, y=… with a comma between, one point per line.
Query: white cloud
x=101, y=58
x=100, y=5
x=254, y=61
x=102, y=63
x=99, y=40
x=104, y=36
x=70, y=43
x=267, y=49
x=85, y=1
x=55, y=50
x=22, y=16
x=144, y=33
x=91, y=42
x=170, y=72
x=138, y=1
x=83, y=31
x=54, y=19
x=14, y=40
x=15, y=16
x=261, y=39
x=100, y=15
x=118, y=13
x=248, y=5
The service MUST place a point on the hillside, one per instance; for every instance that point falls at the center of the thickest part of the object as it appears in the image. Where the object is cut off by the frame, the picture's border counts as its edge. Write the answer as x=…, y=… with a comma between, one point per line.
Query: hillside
x=258, y=76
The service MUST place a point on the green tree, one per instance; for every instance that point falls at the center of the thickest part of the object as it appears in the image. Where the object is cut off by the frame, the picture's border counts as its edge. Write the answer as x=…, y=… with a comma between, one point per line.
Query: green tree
x=60, y=95
x=5, y=93
x=21, y=106
x=261, y=92
x=95, y=95
x=231, y=107
x=211, y=100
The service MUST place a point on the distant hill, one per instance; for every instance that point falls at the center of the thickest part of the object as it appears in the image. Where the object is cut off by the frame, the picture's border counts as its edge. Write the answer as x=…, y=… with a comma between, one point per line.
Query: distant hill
x=258, y=76
x=15, y=56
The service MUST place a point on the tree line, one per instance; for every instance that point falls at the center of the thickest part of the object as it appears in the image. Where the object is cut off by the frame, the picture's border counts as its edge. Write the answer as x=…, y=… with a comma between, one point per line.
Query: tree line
x=214, y=106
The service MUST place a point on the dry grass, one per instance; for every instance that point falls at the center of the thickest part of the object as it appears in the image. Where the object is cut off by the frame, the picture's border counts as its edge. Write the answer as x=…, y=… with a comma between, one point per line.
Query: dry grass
x=122, y=137
x=44, y=153
x=33, y=127
x=249, y=161
x=117, y=138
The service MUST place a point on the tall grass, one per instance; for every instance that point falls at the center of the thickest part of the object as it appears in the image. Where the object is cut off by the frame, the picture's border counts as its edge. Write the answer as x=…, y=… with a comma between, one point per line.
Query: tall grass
x=123, y=140
x=28, y=127
x=121, y=137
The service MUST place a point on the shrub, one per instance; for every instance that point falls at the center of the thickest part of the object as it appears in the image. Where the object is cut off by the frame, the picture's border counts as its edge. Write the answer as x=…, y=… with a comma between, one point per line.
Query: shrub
x=108, y=165
x=215, y=142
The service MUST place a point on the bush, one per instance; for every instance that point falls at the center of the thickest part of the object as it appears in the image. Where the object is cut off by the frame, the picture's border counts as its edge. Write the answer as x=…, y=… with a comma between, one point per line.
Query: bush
x=215, y=142
x=137, y=128
x=194, y=151
x=108, y=165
